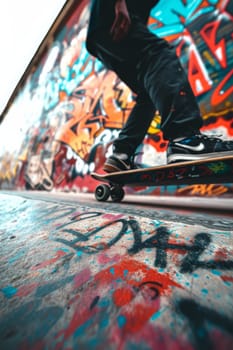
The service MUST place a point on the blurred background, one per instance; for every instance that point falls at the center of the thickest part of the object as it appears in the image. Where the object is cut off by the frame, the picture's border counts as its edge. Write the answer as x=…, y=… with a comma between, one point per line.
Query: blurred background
x=61, y=110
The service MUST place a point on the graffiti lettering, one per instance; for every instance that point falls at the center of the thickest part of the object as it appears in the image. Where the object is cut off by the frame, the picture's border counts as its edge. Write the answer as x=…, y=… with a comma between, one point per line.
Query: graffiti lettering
x=173, y=19
x=203, y=190
x=197, y=73
x=209, y=34
x=160, y=241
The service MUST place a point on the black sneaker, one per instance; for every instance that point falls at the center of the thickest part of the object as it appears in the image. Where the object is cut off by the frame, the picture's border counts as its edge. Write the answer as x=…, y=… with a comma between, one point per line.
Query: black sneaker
x=116, y=163
x=198, y=147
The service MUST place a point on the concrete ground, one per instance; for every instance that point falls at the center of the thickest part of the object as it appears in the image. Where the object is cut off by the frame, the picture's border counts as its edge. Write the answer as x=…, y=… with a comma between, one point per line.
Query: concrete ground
x=79, y=274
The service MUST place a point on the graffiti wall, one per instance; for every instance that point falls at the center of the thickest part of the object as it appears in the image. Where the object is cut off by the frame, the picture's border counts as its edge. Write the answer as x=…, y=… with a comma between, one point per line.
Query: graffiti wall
x=62, y=123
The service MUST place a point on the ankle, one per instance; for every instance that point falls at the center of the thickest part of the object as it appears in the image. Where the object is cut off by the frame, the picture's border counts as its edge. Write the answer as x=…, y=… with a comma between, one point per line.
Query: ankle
x=122, y=156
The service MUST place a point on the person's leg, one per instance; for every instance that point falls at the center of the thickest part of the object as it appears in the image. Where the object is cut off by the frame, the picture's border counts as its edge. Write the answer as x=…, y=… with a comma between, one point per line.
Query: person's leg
x=134, y=130
x=140, y=118
x=147, y=62
x=165, y=81
x=162, y=76
x=131, y=135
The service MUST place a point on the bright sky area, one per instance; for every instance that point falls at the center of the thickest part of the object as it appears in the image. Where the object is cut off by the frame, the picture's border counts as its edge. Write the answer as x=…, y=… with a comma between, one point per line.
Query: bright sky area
x=23, y=25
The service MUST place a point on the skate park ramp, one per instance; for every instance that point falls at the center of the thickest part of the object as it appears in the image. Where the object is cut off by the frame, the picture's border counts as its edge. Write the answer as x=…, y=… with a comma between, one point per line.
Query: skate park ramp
x=77, y=274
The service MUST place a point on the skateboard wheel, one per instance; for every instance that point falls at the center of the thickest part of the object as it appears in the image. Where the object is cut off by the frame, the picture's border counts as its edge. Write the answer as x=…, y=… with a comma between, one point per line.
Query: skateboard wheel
x=102, y=193
x=117, y=194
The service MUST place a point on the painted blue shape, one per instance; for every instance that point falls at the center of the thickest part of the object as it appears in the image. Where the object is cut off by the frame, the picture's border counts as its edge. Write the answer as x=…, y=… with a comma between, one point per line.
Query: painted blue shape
x=227, y=283
x=103, y=303
x=112, y=270
x=79, y=254
x=204, y=291
x=216, y=272
x=121, y=320
x=168, y=30
x=66, y=250
x=9, y=291
x=16, y=257
x=157, y=223
x=104, y=323
x=126, y=273
x=171, y=13
x=199, y=13
x=119, y=280
x=161, y=270
x=81, y=330
x=156, y=315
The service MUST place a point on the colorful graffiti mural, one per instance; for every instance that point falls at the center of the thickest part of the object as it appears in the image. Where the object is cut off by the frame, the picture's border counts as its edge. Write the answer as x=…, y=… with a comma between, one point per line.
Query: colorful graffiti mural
x=71, y=108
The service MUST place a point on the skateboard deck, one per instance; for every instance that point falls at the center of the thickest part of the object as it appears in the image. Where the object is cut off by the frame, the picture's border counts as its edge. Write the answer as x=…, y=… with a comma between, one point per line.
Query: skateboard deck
x=211, y=170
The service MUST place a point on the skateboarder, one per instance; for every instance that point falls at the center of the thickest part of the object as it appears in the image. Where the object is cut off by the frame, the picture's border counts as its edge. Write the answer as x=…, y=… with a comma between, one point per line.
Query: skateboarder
x=119, y=37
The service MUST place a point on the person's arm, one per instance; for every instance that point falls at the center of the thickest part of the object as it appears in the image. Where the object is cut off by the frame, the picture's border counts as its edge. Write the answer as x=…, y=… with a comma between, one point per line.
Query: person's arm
x=121, y=22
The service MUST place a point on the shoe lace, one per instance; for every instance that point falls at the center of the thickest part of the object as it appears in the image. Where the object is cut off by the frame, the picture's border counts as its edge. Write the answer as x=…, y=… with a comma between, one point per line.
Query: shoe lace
x=214, y=138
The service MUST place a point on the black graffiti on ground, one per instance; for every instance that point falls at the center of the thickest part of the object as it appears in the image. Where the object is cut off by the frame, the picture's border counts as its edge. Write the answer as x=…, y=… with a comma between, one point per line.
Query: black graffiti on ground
x=199, y=317
x=160, y=241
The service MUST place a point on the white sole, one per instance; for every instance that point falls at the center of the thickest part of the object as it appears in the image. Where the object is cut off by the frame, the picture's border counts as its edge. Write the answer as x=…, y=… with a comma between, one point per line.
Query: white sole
x=176, y=157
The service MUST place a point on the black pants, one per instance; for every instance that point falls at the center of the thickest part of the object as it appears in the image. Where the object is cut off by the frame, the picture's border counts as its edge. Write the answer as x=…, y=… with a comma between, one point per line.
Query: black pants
x=150, y=67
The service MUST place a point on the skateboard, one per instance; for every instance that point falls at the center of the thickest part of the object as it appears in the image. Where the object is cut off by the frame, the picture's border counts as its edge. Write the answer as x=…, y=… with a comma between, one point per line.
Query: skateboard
x=205, y=171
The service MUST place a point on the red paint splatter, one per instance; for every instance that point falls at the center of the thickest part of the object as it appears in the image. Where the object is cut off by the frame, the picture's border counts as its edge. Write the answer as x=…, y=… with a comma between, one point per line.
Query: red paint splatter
x=227, y=278
x=104, y=258
x=26, y=290
x=137, y=316
x=177, y=250
x=221, y=253
x=134, y=290
x=128, y=270
x=59, y=254
x=112, y=217
x=139, y=299
x=122, y=296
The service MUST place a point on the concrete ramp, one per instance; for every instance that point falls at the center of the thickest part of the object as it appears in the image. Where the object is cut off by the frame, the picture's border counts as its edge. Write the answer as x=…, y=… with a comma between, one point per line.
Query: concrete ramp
x=79, y=276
